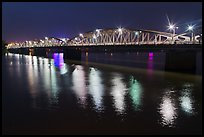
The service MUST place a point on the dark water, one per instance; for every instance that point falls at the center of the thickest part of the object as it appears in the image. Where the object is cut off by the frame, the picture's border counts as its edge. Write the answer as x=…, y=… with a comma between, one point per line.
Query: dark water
x=49, y=96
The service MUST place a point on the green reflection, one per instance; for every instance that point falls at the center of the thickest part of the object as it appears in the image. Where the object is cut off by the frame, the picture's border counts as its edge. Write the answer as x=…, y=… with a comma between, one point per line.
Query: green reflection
x=135, y=92
x=186, y=100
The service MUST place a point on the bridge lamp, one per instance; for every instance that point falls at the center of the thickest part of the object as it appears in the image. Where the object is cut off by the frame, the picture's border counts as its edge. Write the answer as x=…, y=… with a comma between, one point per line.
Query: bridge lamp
x=190, y=28
x=171, y=27
x=97, y=30
x=136, y=33
x=120, y=30
x=81, y=35
x=63, y=39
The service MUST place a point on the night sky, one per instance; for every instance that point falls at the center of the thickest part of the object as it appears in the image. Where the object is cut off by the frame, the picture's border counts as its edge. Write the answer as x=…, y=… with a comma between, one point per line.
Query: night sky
x=34, y=20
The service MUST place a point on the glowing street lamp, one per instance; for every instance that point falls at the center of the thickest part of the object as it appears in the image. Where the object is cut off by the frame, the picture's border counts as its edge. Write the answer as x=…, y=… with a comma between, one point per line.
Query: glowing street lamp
x=173, y=28
x=97, y=30
x=120, y=30
x=81, y=35
x=190, y=28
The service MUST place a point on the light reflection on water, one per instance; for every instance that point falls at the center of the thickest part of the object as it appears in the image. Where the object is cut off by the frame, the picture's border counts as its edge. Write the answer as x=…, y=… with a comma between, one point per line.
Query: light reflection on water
x=44, y=76
x=135, y=93
x=118, y=92
x=59, y=63
x=79, y=85
x=186, y=99
x=44, y=69
x=96, y=88
x=168, y=109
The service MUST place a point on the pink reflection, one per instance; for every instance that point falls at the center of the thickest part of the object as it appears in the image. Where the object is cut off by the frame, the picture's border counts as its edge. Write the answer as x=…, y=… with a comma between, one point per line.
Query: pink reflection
x=151, y=54
x=150, y=63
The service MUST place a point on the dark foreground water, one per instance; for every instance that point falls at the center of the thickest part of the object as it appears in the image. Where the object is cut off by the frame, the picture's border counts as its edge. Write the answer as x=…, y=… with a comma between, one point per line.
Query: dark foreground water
x=49, y=96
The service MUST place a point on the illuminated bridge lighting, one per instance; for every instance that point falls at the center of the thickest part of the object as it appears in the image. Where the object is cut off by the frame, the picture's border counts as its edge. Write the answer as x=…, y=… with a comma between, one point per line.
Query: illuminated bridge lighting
x=114, y=36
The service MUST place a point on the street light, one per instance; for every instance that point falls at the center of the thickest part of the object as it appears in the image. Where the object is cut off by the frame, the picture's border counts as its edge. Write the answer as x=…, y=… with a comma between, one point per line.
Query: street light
x=190, y=28
x=81, y=35
x=97, y=30
x=120, y=30
x=173, y=28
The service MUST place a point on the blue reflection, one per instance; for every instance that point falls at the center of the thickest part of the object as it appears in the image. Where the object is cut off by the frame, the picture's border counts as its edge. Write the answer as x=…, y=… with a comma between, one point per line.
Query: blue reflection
x=59, y=63
x=58, y=60
x=135, y=92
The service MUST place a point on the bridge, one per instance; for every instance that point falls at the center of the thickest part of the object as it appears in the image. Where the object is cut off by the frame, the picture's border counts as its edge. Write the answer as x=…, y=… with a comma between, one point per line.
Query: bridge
x=113, y=36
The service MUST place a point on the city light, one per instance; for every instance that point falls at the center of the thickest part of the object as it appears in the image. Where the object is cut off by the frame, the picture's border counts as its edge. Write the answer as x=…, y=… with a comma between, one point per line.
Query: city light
x=81, y=35
x=171, y=26
x=101, y=37
x=120, y=30
x=190, y=27
x=97, y=30
x=136, y=32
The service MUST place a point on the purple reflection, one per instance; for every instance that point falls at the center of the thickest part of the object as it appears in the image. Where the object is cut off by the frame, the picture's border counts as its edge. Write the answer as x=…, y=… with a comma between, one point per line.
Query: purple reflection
x=150, y=63
x=58, y=59
x=151, y=54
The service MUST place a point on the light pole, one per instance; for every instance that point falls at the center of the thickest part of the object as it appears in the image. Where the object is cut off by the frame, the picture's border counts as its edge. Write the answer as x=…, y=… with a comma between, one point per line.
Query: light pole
x=190, y=28
x=173, y=28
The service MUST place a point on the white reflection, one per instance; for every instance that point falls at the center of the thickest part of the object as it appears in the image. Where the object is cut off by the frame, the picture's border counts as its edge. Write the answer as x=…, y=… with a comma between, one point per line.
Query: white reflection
x=53, y=85
x=118, y=93
x=34, y=62
x=46, y=75
x=64, y=69
x=96, y=88
x=17, y=65
x=41, y=75
x=135, y=93
x=168, y=110
x=79, y=85
x=32, y=79
x=9, y=54
x=186, y=101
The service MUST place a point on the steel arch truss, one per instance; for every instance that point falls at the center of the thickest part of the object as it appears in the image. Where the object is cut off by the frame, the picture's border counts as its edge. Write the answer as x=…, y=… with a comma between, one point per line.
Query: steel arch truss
x=120, y=36
x=47, y=42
